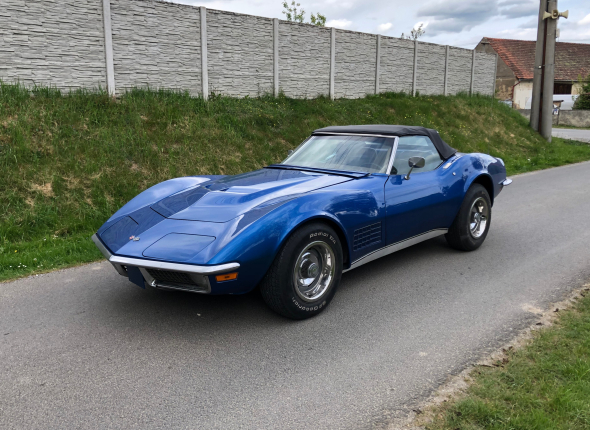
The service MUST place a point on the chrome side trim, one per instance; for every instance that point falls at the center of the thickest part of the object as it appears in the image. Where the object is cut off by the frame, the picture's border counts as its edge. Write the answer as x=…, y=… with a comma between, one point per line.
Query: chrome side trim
x=118, y=262
x=392, y=158
x=396, y=247
x=107, y=254
x=507, y=182
x=175, y=267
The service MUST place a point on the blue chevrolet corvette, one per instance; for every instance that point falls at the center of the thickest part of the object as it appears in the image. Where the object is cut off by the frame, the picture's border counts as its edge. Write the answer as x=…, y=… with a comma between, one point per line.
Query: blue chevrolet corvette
x=346, y=196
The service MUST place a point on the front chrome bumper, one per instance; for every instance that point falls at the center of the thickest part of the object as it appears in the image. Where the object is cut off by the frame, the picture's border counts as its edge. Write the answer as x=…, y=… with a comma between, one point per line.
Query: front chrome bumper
x=198, y=273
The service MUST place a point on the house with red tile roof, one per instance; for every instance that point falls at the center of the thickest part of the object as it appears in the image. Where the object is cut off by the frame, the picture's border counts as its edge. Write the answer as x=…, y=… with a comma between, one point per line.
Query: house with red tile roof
x=516, y=63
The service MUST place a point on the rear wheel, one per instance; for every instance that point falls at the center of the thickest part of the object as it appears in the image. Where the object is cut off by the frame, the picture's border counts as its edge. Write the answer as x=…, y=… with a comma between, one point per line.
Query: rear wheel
x=305, y=274
x=472, y=223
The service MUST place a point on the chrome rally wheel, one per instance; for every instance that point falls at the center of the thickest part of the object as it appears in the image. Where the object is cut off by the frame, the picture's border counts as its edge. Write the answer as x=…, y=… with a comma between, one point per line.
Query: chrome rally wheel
x=478, y=218
x=314, y=271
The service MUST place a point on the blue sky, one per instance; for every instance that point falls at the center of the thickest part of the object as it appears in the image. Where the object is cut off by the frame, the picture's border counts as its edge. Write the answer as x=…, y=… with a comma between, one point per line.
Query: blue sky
x=448, y=22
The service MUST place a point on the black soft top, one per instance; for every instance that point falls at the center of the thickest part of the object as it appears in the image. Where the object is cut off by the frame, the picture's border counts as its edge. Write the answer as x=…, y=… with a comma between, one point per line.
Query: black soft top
x=443, y=148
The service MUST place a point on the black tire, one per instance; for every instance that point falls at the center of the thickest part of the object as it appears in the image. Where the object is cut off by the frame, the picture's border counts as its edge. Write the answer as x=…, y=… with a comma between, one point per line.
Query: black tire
x=460, y=235
x=279, y=289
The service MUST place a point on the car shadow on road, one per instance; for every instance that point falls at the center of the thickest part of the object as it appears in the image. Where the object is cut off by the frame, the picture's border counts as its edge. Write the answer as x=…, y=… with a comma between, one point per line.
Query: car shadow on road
x=151, y=307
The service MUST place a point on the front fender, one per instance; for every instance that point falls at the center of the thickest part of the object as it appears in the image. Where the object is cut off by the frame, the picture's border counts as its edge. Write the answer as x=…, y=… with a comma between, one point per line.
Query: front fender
x=475, y=166
x=256, y=246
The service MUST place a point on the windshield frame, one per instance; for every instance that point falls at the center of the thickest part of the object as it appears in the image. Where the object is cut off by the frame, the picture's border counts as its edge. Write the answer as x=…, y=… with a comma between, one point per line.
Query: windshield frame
x=391, y=157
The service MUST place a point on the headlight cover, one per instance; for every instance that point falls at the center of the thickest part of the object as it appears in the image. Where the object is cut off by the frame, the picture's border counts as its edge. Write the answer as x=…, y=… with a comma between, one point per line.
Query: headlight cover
x=178, y=247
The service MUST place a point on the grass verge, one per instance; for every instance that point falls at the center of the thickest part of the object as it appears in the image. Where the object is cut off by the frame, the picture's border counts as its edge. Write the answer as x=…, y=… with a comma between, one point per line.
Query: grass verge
x=68, y=162
x=544, y=385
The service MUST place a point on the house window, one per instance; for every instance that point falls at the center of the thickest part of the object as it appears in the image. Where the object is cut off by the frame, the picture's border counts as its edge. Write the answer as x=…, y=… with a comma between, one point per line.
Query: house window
x=559, y=88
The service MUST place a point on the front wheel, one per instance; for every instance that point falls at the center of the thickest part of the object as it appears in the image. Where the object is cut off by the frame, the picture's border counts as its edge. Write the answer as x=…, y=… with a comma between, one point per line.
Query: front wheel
x=473, y=221
x=305, y=273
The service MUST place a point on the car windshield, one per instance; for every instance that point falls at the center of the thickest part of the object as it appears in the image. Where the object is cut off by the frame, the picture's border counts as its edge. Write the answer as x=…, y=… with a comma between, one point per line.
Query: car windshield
x=347, y=153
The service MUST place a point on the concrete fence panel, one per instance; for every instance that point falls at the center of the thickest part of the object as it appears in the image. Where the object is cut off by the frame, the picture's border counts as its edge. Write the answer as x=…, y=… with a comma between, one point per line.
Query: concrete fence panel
x=304, y=60
x=485, y=66
x=156, y=45
x=53, y=43
x=239, y=54
x=459, y=79
x=356, y=55
x=430, y=78
x=397, y=63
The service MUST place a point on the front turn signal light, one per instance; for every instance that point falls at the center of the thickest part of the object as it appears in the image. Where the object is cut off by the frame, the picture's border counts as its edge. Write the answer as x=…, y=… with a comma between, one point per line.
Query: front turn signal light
x=227, y=277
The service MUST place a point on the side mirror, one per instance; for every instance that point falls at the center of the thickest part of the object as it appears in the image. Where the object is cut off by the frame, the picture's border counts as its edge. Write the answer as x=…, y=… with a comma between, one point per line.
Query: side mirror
x=415, y=162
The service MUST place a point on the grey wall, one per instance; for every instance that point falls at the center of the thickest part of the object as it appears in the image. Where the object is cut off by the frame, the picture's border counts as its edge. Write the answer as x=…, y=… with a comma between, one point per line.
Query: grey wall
x=304, y=60
x=146, y=48
x=52, y=42
x=356, y=54
x=240, y=54
x=431, y=65
x=156, y=44
x=397, y=65
x=485, y=64
x=459, y=79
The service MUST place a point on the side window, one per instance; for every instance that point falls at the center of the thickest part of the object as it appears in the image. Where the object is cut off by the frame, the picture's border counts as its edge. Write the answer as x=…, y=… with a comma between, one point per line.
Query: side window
x=415, y=146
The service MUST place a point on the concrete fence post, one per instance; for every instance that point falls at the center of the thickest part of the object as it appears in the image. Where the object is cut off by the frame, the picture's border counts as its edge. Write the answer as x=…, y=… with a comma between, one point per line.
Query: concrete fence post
x=275, y=38
x=446, y=91
x=204, y=72
x=378, y=64
x=495, y=71
x=332, y=61
x=415, y=72
x=472, y=73
x=108, y=47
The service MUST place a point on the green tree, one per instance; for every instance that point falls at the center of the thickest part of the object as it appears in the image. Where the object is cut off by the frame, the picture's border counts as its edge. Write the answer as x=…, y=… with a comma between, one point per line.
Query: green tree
x=583, y=101
x=318, y=19
x=295, y=13
x=416, y=33
x=292, y=13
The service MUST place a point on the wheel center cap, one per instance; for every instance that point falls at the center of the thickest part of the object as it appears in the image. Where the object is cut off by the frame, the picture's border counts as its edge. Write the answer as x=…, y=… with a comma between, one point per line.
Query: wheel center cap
x=477, y=217
x=312, y=270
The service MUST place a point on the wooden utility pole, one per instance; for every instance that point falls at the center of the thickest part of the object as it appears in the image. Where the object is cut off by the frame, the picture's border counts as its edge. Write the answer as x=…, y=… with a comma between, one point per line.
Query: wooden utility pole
x=538, y=72
x=544, y=76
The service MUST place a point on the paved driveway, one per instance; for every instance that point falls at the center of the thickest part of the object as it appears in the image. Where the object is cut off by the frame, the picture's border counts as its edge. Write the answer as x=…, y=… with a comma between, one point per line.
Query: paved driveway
x=574, y=134
x=85, y=349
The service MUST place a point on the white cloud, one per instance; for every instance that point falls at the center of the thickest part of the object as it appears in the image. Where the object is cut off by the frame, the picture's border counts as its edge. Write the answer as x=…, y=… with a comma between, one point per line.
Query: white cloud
x=384, y=27
x=339, y=23
x=585, y=20
x=450, y=16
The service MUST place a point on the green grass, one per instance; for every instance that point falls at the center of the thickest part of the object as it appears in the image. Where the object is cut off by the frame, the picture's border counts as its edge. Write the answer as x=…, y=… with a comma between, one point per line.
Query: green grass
x=545, y=385
x=571, y=127
x=69, y=161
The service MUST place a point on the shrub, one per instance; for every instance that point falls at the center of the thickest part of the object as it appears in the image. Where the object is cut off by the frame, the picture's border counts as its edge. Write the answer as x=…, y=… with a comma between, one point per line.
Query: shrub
x=583, y=102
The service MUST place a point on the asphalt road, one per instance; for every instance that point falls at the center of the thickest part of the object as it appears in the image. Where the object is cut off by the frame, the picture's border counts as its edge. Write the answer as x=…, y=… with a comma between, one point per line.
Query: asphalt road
x=85, y=349
x=580, y=135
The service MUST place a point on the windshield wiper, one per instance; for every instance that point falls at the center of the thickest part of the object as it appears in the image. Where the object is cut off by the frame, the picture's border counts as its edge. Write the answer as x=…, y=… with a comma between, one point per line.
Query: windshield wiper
x=319, y=170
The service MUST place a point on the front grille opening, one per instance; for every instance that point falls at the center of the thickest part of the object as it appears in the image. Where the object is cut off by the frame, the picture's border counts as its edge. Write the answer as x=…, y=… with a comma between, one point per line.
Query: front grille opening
x=178, y=281
x=170, y=276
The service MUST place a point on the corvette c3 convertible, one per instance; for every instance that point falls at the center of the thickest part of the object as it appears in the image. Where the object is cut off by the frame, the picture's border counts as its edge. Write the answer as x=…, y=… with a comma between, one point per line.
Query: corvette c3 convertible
x=346, y=196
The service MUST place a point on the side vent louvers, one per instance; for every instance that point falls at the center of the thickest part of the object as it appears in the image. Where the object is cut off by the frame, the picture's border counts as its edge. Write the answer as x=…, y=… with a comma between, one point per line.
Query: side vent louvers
x=366, y=236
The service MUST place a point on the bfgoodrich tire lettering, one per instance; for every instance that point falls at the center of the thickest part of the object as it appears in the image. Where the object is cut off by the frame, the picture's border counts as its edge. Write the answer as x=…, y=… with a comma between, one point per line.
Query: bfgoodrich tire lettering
x=472, y=224
x=305, y=273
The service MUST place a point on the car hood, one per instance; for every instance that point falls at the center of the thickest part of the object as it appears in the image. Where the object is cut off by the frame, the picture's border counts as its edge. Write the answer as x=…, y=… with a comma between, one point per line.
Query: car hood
x=223, y=199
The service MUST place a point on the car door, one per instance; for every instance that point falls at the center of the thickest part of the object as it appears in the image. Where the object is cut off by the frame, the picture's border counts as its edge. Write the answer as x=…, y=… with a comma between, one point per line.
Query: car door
x=426, y=201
